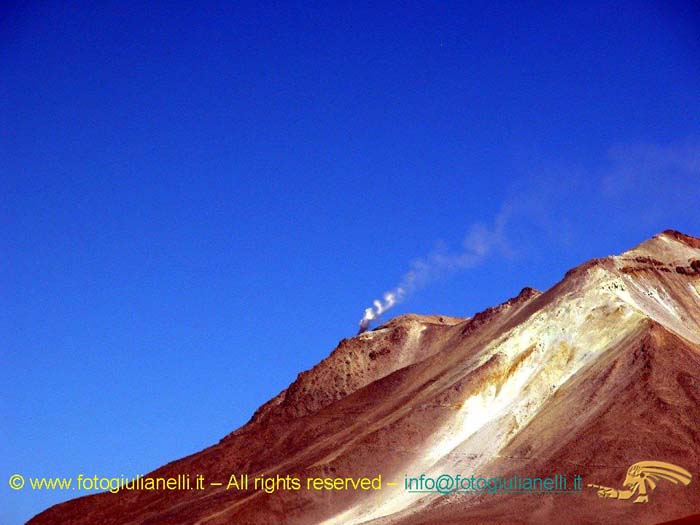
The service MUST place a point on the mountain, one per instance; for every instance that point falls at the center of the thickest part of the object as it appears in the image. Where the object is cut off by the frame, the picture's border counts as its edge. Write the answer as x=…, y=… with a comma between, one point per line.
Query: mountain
x=596, y=374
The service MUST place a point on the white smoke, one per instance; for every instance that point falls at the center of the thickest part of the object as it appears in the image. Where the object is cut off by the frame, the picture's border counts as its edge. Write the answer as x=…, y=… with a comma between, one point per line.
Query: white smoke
x=379, y=307
x=479, y=242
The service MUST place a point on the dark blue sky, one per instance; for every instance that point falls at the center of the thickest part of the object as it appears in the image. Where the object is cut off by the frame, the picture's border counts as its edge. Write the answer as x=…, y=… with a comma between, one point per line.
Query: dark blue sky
x=197, y=203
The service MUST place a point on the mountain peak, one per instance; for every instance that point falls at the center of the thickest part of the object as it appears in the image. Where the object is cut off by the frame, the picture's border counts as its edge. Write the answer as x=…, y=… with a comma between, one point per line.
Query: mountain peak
x=693, y=242
x=669, y=247
x=591, y=376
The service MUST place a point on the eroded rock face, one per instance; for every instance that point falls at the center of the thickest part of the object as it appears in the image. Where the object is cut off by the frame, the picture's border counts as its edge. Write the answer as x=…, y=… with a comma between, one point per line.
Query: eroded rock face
x=361, y=360
x=597, y=373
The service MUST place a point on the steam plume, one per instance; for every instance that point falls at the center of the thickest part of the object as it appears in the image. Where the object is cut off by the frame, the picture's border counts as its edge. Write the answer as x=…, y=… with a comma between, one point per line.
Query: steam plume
x=478, y=243
x=379, y=307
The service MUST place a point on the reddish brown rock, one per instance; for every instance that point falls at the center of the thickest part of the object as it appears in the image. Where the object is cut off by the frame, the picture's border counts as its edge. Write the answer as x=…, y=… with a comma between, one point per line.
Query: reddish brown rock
x=599, y=372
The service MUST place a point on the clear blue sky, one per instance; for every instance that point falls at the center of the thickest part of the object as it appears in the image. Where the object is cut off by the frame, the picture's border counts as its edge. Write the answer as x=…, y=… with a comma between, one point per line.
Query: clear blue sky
x=197, y=203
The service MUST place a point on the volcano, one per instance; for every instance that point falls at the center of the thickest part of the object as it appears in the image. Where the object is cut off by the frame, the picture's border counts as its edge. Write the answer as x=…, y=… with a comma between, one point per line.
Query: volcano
x=586, y=380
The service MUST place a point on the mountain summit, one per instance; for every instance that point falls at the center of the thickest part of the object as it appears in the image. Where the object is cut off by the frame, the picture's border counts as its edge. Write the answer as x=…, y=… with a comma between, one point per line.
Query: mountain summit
x=592, y=378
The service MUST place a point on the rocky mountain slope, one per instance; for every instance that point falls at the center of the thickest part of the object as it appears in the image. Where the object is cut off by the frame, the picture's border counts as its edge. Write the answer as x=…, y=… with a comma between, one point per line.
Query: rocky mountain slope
x=587, y=378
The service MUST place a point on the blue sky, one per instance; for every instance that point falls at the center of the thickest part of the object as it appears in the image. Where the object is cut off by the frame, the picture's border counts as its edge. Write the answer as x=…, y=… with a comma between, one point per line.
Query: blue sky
x=199, y=202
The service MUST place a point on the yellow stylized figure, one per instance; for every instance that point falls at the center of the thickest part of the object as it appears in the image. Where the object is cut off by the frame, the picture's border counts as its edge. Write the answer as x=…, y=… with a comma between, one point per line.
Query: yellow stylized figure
x=642, y=475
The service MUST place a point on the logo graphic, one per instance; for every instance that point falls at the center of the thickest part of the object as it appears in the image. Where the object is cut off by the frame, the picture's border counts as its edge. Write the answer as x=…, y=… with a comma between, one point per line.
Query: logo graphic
x=643, y=475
